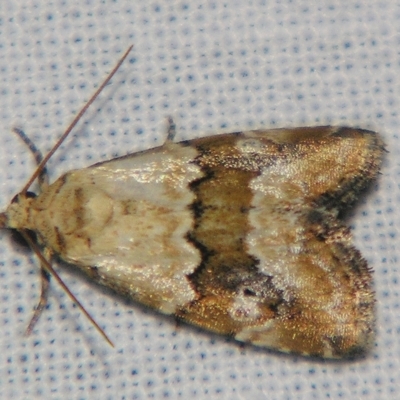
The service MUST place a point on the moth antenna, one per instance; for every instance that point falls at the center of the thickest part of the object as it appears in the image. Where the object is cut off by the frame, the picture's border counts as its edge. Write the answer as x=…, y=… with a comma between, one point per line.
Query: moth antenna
x=49, y=269
x=171, y=130
x=43, y=177
x=45, y=279
x=73, y=123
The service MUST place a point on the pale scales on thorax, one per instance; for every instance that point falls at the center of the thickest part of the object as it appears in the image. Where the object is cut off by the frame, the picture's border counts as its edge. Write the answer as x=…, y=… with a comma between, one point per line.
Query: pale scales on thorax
x=236, y=233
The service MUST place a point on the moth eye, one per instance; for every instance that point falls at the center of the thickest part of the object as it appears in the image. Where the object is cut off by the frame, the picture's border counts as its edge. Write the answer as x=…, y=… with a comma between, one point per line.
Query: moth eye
x=17, y=238
x=30, y=195
x=27, y=195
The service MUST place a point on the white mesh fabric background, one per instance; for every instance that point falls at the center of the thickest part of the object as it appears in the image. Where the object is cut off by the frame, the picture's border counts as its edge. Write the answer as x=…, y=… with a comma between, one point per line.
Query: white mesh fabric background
x=214, y=67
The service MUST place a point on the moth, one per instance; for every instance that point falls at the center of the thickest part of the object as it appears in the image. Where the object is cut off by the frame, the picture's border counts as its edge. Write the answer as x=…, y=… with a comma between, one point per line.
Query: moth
x=239, y=234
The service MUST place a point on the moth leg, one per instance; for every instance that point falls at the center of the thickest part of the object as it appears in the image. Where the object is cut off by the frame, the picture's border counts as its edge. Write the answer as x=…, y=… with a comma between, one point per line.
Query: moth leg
x=178, y=323
x=43, y=177
x=242, y=347
x=171, y=131
x=44, y=294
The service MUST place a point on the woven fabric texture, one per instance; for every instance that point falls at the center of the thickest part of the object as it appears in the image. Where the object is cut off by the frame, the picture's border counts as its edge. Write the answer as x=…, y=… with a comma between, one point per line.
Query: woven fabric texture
x=213, y=66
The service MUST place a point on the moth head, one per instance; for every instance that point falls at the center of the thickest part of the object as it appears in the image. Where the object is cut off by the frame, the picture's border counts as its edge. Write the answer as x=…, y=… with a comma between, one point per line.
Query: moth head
x=17, y=214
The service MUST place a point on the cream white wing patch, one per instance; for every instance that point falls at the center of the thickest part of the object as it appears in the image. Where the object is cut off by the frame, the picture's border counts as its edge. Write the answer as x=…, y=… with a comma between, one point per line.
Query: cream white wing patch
x=125, y=221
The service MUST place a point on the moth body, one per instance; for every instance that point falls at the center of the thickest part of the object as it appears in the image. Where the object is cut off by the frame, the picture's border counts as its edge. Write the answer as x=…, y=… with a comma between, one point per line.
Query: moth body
x=236, y=233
